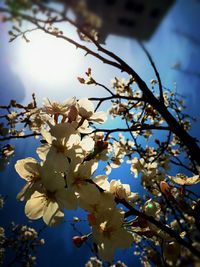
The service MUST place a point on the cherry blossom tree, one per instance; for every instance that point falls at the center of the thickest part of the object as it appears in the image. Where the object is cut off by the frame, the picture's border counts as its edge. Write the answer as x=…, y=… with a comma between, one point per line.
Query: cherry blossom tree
x=162, y=226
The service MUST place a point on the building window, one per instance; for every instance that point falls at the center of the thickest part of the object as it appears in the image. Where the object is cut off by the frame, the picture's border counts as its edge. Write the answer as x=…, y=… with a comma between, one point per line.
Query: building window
x=133, y=6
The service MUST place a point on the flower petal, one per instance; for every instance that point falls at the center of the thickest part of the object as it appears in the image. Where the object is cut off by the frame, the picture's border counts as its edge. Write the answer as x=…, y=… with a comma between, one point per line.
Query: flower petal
x=86, y=108
x=66, y=198
x=99, y=117
x=52, y=214
x=35, y=206
x=27, y=168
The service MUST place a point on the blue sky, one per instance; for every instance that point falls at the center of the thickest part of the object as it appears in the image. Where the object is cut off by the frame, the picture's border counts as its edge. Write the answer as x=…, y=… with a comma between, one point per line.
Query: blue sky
x=18, y=81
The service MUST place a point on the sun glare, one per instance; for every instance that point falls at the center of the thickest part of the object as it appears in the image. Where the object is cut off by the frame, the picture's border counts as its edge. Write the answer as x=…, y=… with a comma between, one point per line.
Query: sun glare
x=46, y=59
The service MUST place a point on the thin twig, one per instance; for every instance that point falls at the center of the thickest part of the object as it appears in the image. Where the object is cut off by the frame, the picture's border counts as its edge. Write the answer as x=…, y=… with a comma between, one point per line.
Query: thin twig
x=18, y=136
x=155, y=70
x=165, y=228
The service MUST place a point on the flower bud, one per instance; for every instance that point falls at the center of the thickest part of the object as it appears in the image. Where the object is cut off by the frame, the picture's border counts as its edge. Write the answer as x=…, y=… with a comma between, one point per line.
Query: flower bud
x=79, y=240
x=164, y=187
x=42, y=242
x=75, y=219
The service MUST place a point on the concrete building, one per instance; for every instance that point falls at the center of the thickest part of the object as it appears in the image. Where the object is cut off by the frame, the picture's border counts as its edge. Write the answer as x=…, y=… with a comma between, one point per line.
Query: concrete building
x=129, y=18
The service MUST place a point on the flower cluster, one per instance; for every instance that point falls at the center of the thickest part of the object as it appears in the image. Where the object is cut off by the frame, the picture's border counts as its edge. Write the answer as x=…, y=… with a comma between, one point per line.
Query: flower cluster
x=65, y=177
x=22, y=241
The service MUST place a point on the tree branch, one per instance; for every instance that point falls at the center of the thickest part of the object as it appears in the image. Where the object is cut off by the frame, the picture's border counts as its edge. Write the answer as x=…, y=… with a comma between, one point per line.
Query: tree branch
x=166, y=229
x=18, y=136
x=155, y=70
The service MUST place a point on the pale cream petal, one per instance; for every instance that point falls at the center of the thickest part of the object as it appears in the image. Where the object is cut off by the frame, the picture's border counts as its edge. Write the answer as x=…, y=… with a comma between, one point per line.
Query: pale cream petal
x=52, y=214
x=87, y=144
x=102, y=202
x=109, y=234
x=122, y=239
x=71, y=140
x=113, y=185
x=133, y=196
x=134, y=171
x=66, y=198
x=27, y=168
x=57, y=161
x=47, y=136
x=42, y=151
x=106, y=201
x=117, y=216
x=35, y=206
x=99, y=117
x=108, y=169
x=28, y=190
x=193, y=180
x=102, y=181
x=87, y=168
x=127, y=187
x=62, y=130
x=23, y=192
x=86, y=108
x=85, y=130
x=76, y=154
x=45, y=101
x=52, y=179
x=89, y=193
x=70, y=101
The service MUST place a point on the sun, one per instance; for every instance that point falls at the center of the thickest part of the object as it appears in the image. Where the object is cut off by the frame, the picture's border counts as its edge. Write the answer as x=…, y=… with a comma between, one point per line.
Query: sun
x=46, y=60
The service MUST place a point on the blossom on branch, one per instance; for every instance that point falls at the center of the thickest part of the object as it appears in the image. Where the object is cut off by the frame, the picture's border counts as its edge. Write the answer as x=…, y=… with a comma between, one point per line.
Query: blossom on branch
x=109, y=233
